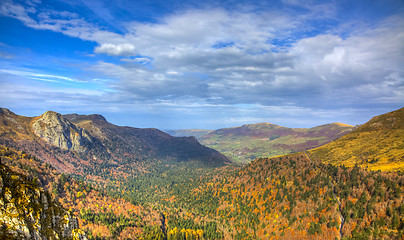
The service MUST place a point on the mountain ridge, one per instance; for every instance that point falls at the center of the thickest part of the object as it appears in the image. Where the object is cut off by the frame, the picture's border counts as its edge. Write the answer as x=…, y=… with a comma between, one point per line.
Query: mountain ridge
x=87, y=141
x=250, y=141
x=150, y=138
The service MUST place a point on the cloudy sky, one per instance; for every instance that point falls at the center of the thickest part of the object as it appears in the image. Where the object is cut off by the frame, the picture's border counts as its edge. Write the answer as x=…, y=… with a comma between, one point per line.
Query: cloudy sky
x=203, y=64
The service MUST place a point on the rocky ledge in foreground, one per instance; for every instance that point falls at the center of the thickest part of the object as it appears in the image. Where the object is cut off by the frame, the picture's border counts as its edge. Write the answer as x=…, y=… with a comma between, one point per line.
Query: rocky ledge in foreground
x=28, y=212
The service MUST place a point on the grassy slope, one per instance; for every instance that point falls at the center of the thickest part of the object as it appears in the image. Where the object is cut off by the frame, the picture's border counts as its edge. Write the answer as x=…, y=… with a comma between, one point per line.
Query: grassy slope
x=376, y=145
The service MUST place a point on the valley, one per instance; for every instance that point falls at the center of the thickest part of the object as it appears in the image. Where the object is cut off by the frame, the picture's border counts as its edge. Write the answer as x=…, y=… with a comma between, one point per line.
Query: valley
x=248, y=142
x=123, y=182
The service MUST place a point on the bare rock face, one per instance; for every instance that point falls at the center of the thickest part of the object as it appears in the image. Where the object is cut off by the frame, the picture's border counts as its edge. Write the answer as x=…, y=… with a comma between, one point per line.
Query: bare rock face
x=28, y=212
x=58, y=131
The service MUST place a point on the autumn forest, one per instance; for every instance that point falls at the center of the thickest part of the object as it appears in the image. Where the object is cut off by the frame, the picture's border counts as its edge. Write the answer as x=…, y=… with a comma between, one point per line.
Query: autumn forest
x=128, y=183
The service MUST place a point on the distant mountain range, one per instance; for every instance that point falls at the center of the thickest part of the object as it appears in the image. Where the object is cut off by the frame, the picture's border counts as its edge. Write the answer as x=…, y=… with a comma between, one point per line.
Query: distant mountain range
x=377, y=145
x=248, y=142
x=198, y=133
x=75, y=143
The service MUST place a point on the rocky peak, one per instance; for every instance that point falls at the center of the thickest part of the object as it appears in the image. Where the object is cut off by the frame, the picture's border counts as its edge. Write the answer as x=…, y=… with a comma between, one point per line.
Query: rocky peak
x=5, y=111
x=78, y=118
x=58, y=131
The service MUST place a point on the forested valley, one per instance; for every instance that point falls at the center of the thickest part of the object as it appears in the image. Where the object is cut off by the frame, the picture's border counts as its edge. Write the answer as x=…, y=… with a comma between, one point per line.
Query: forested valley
x=294, y=196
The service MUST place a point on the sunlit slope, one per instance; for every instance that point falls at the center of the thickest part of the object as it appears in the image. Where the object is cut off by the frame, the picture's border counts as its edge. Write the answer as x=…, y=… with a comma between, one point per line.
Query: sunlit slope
x=376, y=145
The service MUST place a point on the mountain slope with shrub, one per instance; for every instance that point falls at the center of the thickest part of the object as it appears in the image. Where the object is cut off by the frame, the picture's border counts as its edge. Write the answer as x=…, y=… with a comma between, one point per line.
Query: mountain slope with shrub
x=290, y=197
x=125, y=141
x=376, y=145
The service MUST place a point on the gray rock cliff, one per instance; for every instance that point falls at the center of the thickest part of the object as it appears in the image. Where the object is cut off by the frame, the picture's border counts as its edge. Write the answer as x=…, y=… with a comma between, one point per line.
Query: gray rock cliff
x=58, y=131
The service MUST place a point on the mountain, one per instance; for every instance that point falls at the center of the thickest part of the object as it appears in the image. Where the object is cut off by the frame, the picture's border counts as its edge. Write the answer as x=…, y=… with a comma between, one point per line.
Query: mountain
x=376, y=145
x=28, y=212
x=87, y=143
x=198, y=133
x=58, y=131
x=123, y=141
x=294, y=196
x=251, y=141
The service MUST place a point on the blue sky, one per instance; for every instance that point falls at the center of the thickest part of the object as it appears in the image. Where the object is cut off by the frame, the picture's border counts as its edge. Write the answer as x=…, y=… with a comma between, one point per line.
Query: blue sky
x=203, y=64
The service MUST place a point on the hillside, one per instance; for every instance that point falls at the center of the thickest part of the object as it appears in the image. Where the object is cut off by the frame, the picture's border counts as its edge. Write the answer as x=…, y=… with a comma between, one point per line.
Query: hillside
x=289, y=197
x=251, y=141
x=83, y=144
x=94, y=210
x=29, y=212
x=129, y=142
x=375, y=145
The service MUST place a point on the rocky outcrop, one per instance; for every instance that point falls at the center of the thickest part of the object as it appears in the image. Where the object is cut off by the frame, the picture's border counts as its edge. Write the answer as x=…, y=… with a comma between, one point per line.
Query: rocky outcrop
x=58, y=131
x=28, y=212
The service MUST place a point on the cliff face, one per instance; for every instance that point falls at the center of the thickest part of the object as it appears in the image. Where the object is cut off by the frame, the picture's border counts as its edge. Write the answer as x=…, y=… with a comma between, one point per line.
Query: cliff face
x=58, y=131
x=27, y=212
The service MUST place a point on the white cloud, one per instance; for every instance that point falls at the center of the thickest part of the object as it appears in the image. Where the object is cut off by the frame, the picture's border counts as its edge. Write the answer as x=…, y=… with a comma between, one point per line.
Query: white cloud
x=367, y=57
x=39, y=76
x=68, y=23
x=9, y=9
x=125, y=49
x=195, y=30
x=136, y=60
x=174, y=73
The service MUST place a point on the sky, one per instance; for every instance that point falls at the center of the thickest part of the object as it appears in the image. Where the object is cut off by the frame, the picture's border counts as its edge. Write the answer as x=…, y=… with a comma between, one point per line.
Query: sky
x=203, y=64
